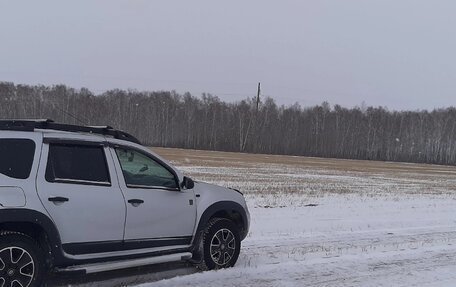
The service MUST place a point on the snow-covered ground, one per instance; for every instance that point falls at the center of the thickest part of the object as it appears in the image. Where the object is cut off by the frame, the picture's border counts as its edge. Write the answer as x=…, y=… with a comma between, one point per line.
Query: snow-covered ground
x=336, y=223
x=344, y=241
x=319, y=222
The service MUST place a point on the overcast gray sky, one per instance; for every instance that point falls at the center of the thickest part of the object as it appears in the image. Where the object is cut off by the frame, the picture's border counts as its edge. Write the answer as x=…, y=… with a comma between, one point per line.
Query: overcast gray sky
x=395, y=53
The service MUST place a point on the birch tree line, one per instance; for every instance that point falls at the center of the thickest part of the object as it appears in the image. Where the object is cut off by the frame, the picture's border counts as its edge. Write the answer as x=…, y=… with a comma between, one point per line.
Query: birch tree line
x=181, y=120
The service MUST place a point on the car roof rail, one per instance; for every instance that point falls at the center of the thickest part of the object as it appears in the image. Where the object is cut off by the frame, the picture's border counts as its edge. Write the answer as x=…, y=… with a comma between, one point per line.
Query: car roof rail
x=48, y=124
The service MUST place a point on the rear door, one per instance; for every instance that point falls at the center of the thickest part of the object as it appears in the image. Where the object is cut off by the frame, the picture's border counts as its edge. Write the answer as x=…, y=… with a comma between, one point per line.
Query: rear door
x=159, y=213
x=78, y=186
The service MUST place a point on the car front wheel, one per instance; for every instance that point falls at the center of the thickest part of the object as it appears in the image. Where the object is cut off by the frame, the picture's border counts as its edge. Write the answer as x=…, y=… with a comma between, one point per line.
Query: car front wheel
x=221, y=244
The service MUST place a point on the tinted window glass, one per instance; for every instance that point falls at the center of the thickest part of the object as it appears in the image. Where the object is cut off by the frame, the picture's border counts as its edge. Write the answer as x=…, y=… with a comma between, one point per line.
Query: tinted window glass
x=67, y=162
x=141, y=170
x=16, y=157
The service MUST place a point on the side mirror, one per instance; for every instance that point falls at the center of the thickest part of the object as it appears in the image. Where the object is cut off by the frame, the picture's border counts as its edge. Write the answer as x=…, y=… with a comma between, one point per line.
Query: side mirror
x=188, y=183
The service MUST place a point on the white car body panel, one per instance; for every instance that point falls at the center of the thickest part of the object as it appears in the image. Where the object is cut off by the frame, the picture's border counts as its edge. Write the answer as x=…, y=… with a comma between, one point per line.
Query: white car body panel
x=28, y=185
x=164, y=213
x=12, y=196
x=93, y=213
x=211, y=194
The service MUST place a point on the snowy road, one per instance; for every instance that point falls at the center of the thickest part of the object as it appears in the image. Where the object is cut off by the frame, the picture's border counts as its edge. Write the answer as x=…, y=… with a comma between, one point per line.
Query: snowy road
x=345, y=241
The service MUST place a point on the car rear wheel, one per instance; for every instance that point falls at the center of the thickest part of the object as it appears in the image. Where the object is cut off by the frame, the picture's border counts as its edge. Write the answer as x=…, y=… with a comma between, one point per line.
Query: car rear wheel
x=21, y=261
x=221, y=244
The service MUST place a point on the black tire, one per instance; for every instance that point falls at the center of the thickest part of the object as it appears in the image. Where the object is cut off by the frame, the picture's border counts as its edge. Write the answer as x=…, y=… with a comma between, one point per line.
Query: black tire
x=27, y=264
x=225, y=234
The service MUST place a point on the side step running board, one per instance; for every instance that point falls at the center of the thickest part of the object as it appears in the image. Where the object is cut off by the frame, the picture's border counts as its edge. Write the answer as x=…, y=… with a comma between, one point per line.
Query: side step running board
x=115, y=265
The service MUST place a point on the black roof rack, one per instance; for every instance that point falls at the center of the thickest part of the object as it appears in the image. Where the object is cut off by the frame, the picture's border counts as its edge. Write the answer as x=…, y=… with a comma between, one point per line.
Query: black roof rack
x=47, y=124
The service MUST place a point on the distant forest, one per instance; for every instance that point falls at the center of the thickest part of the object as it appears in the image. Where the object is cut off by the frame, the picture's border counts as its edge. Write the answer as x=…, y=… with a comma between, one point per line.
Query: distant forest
x=170, y=119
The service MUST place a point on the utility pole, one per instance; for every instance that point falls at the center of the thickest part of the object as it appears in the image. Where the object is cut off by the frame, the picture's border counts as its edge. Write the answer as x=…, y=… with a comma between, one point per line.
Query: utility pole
x=252, y=119
x=258, y=97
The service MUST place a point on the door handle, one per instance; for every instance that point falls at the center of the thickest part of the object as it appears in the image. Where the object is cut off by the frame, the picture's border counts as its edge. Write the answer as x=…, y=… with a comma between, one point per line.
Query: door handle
x=58, y=199
x=135, y=202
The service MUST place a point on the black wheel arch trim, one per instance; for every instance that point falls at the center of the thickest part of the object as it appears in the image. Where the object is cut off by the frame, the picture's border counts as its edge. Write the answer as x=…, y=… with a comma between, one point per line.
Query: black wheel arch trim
x=229, y=206
x=20, y=215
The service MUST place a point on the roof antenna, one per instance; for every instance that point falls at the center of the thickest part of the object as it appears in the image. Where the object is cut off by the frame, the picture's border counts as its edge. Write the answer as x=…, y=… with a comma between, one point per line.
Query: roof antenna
x=73, y=116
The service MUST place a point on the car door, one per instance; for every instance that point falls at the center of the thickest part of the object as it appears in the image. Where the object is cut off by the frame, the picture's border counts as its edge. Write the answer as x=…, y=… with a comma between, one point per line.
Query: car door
x=78, y=186
x=159, y=212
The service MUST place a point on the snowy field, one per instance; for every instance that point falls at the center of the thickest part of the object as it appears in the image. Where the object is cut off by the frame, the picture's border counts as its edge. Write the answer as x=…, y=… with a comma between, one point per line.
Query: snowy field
x=323, y=222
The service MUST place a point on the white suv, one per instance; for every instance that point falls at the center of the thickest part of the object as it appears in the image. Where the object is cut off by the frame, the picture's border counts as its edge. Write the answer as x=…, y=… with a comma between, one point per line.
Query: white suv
x=90, y=199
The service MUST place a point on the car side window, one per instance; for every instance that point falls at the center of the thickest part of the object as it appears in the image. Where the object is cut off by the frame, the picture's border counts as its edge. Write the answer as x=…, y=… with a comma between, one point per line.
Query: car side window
x=140, y=170
x=79, y=164
x=16, y=157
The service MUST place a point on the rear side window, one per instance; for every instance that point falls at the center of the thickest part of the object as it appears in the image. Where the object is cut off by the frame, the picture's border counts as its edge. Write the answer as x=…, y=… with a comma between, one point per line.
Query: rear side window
x=16, y=157
x=79, y=164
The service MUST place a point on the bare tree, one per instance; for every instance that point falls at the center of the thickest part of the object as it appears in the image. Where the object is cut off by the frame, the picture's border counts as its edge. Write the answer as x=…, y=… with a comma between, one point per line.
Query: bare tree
x=169, y=119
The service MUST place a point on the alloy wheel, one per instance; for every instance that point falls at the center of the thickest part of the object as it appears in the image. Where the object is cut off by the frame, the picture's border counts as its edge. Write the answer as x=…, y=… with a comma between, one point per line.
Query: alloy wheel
x=223, y=246
x=17, y=267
